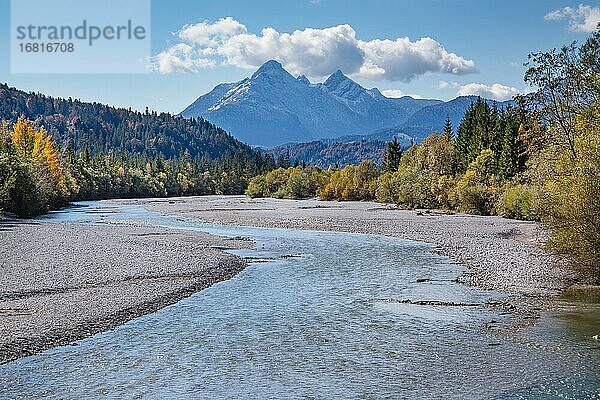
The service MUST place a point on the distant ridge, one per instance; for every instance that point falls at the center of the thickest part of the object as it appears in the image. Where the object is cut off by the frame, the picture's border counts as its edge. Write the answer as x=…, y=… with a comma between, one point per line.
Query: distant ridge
x=432, y=118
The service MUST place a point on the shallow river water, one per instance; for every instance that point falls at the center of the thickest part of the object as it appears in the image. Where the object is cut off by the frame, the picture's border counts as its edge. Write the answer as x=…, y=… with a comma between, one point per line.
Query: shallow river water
x=325, y=324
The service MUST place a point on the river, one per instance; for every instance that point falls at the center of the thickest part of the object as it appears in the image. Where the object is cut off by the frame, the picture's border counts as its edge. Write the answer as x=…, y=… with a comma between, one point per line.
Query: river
x=322, y=318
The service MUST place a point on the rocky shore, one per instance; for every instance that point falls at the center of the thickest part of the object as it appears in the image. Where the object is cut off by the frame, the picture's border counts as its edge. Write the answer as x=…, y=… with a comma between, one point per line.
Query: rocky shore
x=60, y=282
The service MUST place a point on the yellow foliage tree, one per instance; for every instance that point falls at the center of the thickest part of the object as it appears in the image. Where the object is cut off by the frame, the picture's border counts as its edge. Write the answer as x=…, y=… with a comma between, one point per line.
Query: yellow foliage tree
x=477, y=188
x=425, y=177
x=37, y=148
x=352, y=183
x=569, y=193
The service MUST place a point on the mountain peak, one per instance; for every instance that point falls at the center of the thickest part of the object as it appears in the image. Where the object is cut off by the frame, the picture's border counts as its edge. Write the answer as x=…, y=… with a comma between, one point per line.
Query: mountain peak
x=337, y=79
x=375, y=93
x=272, y=71
x=303, y=79
x=271, y=64
x=269, y=67
x=337, y=76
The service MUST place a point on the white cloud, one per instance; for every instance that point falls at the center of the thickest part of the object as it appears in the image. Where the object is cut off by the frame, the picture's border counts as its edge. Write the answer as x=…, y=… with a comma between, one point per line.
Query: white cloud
x=397, y=93
x=584, y=18
x=495, y=92
x=180, y=58
x=404, y=60
x=311, y=51
x=211, y=34
x=314, y=52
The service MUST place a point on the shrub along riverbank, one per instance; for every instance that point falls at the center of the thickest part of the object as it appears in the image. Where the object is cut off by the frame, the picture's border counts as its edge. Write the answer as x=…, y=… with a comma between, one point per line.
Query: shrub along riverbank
x=482, y=171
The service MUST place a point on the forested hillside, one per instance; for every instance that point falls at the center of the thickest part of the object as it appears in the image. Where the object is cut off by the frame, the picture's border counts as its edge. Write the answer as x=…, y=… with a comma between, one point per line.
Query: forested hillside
x=97, y=127
x=325, y=153
x=54, y=150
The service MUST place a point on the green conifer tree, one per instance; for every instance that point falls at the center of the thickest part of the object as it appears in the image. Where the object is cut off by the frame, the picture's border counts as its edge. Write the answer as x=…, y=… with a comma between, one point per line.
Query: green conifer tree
x=392, y=156
x=448, y=131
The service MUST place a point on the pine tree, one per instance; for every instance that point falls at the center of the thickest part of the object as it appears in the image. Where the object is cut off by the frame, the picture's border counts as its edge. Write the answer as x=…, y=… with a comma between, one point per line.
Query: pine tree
x=283, y=162
x=513, y=155
x=448, y=131
x=392, y=156
x=481, y=128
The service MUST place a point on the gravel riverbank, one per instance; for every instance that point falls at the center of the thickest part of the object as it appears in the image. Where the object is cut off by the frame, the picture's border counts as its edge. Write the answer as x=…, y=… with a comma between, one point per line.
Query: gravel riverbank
x=501, y=254
x=60, y=282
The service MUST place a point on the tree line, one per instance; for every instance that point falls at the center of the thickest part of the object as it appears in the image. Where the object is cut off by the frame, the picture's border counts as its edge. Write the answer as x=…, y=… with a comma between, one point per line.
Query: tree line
x=36, y=176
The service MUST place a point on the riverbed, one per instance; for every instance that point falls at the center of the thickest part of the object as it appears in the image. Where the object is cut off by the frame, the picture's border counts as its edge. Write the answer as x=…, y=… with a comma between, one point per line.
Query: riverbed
x=319, y=315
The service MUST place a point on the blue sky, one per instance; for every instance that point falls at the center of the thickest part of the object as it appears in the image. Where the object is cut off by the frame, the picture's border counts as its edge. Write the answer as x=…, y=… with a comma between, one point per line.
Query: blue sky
x=473, y=46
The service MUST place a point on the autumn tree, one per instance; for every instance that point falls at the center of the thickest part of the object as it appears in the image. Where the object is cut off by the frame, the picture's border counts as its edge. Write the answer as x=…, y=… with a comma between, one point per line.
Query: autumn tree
x=425, y=177
x=562, y=134
x=32, y=179
x=478, y=187
x=567, y=84
x=352, y=183
x=37, y=148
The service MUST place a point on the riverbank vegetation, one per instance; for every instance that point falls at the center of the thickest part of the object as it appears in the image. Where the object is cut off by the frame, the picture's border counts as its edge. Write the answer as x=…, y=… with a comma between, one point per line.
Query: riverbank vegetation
x=55, y=150
x=35, y=176
x=467, y=173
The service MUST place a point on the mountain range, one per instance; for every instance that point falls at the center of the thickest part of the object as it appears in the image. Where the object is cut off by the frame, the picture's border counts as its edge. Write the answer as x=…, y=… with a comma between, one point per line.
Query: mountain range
x=272, y=107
